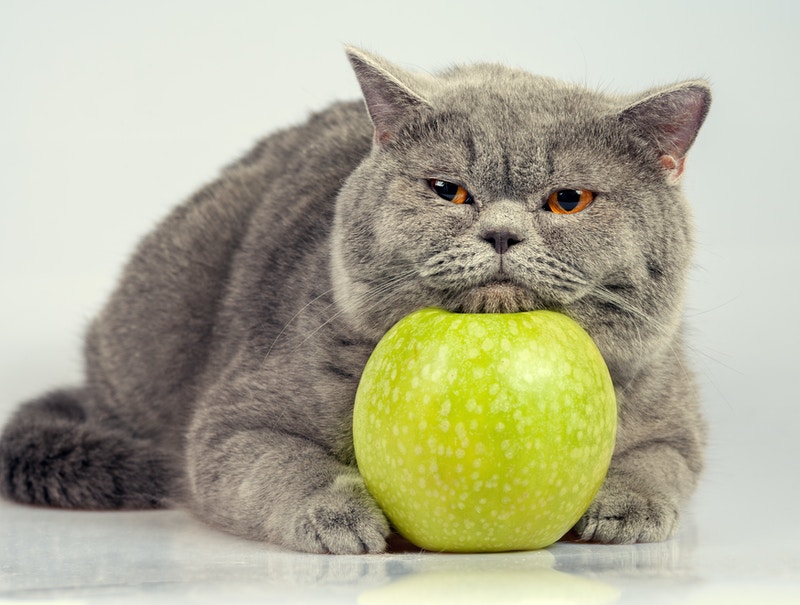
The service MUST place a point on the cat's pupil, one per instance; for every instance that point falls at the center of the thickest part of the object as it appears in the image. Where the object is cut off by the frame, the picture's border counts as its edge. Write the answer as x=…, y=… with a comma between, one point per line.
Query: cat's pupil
x=569, y=199
x=450, y=191
x=446, y=190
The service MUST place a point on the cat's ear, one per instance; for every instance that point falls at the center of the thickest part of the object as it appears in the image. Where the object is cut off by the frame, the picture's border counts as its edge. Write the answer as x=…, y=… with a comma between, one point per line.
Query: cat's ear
x=389, y=100
x=670, y=120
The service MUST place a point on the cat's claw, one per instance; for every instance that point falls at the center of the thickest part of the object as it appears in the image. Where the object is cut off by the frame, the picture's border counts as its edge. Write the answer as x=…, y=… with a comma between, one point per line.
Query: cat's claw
x=342, y=519
x=628, y=517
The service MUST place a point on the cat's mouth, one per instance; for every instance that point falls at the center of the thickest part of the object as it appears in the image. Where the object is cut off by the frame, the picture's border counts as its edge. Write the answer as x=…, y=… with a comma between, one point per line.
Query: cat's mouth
x=497, y=296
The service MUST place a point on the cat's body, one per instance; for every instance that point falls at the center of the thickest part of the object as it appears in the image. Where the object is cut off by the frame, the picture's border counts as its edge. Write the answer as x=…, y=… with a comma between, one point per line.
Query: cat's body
x=221, y=374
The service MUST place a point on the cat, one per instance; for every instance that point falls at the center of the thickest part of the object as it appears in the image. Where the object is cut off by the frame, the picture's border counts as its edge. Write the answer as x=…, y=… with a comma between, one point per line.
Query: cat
x=221, y=374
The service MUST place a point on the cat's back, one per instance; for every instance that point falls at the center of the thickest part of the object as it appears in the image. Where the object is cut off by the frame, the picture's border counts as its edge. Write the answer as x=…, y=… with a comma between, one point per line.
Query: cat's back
x=298, y=172
x=328, y=141
x=150, y=345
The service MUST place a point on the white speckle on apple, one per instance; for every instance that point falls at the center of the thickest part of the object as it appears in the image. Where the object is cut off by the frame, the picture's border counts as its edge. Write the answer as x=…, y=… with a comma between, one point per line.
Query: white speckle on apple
x=476, y=330
x=461, y=433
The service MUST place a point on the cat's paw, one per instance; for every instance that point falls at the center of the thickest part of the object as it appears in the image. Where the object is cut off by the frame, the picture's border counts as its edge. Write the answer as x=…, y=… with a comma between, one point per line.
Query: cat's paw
x=624, y=516
x=342, y=519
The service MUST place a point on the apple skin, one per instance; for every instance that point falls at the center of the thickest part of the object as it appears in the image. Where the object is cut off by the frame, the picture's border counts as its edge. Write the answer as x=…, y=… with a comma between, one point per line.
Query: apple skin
x=484, y=432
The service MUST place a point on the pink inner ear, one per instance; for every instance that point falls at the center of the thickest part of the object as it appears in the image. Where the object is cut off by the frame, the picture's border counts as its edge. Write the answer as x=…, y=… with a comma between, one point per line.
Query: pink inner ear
x=382, y=118
x=673, y=166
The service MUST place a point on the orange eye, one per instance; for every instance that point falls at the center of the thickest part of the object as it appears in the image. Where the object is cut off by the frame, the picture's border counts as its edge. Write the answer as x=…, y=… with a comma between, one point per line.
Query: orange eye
x=450, y=191
x=569, y=201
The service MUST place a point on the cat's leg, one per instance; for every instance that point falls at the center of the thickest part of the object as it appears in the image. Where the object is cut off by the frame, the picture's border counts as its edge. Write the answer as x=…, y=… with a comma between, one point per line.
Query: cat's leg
x=53, y=453
x=641, y=498
x=657, y=460
x=658, y=457
x=269, y=484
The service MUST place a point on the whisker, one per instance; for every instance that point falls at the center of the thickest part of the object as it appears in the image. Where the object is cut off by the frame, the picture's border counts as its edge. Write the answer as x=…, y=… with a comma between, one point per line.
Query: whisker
x=362, y=303
x=288, y=323
x=668, y=332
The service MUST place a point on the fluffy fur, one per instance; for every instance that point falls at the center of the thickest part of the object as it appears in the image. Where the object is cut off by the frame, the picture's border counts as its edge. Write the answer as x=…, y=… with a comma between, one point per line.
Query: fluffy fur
x=221, y=374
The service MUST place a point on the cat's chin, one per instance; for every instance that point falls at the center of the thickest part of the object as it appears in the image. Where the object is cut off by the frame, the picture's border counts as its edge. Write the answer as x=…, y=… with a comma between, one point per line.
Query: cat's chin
x=496, y=297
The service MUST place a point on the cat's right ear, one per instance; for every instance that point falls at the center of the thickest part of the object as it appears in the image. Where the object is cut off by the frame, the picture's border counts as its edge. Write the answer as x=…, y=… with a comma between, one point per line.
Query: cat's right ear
x=390, y=102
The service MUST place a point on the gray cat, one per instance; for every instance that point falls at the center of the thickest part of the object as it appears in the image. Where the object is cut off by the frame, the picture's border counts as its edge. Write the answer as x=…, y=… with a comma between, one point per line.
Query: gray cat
x=221, y=374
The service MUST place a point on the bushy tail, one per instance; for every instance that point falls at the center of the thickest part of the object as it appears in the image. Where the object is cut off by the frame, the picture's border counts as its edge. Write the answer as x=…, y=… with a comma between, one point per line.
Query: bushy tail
x=52, y=454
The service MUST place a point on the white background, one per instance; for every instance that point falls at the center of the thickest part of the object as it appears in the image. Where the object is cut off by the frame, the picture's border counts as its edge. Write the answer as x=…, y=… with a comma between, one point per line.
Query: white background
x=112, y=112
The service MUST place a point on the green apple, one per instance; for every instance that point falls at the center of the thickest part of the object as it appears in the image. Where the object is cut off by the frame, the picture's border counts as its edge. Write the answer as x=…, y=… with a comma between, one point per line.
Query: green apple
x=484, y=432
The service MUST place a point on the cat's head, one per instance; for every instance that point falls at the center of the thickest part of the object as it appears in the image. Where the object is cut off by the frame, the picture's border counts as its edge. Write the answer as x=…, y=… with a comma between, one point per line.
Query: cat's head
x=489, y=189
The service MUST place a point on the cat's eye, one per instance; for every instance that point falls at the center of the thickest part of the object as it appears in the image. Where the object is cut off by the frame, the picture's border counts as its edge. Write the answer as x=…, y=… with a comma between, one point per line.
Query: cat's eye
x=569, y=201
x=450, y=191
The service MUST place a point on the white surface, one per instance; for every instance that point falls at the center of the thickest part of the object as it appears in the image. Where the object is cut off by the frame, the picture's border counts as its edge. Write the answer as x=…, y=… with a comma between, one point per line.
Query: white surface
x=167, y=556
x=111, y=112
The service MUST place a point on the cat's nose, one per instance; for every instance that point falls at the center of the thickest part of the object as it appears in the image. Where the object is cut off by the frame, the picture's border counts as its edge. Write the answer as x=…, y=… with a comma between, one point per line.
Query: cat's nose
x=501, y=240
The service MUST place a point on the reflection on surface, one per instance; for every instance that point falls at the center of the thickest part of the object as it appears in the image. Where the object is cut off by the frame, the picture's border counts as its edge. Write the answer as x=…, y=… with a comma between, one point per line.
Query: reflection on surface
x=481, y=580
x=169, y=557
x=670, y=558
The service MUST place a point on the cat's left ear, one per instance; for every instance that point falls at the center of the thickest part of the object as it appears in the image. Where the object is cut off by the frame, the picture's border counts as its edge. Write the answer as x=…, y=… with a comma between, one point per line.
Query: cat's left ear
x=390, y=102
x=670, y=120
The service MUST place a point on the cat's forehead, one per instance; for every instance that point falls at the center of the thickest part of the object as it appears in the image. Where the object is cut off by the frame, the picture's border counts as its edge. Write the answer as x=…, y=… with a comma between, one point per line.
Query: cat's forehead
x=514, y=130
x=519, y=113
x=498, y=90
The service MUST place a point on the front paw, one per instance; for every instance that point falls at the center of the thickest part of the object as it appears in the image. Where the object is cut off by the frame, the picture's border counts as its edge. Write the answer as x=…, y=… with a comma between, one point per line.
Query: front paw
x=341, y=519
x=620, y=515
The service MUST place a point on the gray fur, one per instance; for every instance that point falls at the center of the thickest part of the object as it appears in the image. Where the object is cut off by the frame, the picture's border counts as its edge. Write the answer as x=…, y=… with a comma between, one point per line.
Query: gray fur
x=221, y=374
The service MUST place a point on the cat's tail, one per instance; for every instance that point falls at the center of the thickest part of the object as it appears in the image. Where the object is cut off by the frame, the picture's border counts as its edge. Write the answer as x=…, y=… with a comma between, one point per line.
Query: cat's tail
x=52, y=454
